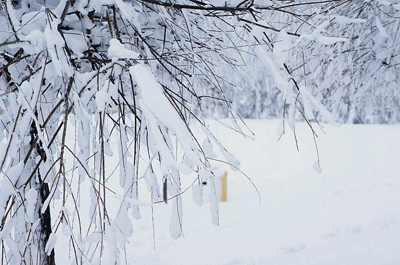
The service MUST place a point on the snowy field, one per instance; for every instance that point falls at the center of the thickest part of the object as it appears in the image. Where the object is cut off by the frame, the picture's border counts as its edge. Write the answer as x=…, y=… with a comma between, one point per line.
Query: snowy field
x=348, y=214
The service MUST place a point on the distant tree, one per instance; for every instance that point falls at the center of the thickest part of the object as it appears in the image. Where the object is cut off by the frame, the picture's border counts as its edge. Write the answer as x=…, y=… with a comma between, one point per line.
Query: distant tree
x=358, y=79
x=66, y=63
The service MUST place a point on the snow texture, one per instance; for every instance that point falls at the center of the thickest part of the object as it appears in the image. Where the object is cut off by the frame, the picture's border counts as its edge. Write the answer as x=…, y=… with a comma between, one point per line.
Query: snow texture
x=51, y=243
x=159, y=112
x=118, y=51
x=347, y=214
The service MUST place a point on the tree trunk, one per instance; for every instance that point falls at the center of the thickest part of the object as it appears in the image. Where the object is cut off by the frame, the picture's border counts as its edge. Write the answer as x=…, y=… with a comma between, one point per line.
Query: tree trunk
x=44, y=229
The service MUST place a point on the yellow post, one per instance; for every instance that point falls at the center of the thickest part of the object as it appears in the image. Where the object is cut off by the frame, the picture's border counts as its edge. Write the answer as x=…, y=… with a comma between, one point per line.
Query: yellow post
x=224, y=187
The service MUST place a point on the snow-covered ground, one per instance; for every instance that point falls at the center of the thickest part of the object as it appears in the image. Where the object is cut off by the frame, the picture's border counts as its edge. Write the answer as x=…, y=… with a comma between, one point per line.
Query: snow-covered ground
x=348, y=214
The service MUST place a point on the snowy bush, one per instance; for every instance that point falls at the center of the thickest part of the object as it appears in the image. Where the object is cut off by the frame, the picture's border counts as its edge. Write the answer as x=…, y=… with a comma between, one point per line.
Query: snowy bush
x=162, y=65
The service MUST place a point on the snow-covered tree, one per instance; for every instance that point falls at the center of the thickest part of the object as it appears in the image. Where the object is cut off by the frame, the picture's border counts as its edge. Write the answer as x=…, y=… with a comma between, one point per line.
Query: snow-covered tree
x=367, y=64
x=356, y=78
x=78, y=74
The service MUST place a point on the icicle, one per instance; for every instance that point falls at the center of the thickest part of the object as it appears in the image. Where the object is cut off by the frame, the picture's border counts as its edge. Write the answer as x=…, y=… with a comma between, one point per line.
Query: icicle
x=176, y=223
